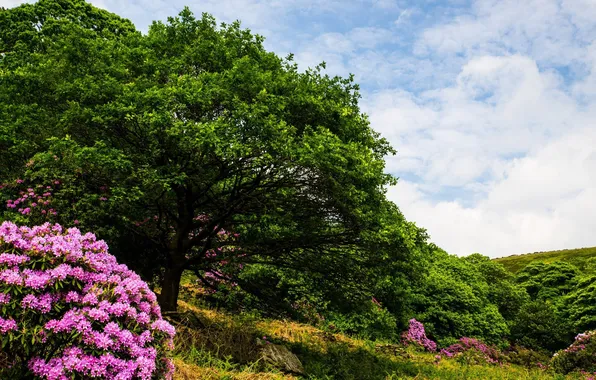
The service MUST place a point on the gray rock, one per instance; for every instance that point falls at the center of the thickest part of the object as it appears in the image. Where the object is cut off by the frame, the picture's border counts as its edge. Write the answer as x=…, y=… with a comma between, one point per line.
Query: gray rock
x=280, y=357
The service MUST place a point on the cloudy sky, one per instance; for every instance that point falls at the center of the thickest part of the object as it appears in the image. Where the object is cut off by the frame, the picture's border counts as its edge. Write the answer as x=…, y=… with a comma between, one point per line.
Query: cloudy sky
x=491, y=104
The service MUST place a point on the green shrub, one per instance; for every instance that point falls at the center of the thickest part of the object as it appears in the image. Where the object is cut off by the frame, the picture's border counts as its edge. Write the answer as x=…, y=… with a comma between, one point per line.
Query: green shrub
x=371, y=321
x=526, y=357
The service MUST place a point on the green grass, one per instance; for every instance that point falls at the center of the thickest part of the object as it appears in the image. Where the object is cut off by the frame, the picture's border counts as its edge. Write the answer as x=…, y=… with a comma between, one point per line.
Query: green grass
x=578, y=257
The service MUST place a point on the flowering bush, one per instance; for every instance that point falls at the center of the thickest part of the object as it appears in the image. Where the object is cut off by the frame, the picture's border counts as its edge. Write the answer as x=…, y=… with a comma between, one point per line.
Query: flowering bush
x=417, y=335
x=579, y=356
x=473, y=351
x=33, y=203
x=69, y=310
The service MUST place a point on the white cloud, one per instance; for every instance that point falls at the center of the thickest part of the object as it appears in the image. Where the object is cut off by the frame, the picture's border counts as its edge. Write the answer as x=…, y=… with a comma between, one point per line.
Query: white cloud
x=510, y=129
x=356, y=51
x=13, y=3
x=499, y=107
x=509, y=139
x=546, y=202
x=403, y=17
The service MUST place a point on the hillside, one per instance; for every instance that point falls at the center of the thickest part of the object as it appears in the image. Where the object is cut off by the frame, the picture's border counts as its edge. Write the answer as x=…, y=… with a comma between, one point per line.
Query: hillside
x=218, y=345
x=214, y=344
x=578, y=257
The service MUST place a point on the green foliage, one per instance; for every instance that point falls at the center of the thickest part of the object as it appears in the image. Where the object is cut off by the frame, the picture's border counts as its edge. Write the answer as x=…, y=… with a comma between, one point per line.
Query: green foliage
x=370, y=321
x=39, y=44
x=540, y=326
x=580, y=304
x=544, y=323
x=26, y=27
x=526, y=357
x=548, y=281
x=502, y=289
x=453, y=301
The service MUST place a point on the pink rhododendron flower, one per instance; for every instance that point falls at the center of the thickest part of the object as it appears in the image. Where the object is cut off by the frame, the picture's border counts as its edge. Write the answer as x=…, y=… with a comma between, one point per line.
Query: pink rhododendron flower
x=97, y=317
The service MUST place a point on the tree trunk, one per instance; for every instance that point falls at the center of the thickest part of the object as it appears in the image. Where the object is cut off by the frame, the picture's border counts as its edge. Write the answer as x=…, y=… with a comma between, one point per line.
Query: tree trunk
x=170, y=287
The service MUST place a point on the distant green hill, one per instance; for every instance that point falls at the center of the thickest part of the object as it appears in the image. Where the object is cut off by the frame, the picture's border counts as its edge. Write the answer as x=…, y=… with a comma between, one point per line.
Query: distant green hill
x=578, y=257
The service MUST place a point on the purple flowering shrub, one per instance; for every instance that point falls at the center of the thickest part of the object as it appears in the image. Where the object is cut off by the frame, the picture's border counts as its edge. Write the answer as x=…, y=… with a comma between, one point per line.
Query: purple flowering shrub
x=416, y=335
x=472, y=351
x=579, y=356
x=70, y=311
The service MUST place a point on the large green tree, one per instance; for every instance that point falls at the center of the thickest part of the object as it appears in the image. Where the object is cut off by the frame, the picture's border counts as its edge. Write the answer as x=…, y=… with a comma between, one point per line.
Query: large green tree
x=190, y=146
x=454, y=298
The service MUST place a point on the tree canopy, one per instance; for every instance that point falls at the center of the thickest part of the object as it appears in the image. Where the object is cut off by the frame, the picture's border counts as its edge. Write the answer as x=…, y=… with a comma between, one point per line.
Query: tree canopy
x=192, y=139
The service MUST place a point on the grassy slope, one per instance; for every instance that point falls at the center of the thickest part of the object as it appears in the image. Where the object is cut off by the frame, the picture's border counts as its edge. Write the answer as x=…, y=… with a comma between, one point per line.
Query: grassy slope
x=216, y=345
x=577, y=257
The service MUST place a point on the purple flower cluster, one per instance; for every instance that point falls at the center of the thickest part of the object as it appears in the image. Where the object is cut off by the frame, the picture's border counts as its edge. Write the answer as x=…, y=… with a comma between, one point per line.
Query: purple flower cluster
x=416, y=335
x=80, y=312
x=490, y=354
x=7, y=325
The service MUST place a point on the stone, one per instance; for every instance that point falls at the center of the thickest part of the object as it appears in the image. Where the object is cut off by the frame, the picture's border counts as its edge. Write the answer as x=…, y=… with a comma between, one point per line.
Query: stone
x=280, y=357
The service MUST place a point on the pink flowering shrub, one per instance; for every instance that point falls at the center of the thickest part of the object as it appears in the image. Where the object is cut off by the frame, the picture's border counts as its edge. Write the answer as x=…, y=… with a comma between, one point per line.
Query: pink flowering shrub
x=35, y=202
x=416, y=335
x=580, y=356
x=472, y=351
x=70, y=311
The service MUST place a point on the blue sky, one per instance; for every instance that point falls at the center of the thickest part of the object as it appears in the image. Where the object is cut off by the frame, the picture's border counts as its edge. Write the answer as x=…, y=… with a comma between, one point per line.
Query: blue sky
x=491, y=104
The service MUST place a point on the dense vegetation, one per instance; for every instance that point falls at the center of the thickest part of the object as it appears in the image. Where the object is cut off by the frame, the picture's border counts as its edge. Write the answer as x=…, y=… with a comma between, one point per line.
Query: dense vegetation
x=206, y=161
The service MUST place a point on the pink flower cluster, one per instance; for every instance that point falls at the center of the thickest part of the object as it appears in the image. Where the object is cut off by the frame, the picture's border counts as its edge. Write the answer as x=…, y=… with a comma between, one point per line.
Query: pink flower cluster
x=33, y=199
x=491, y=355
x=416, y=334
x=578, y=357
x=581, y=341
x=73, y=299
